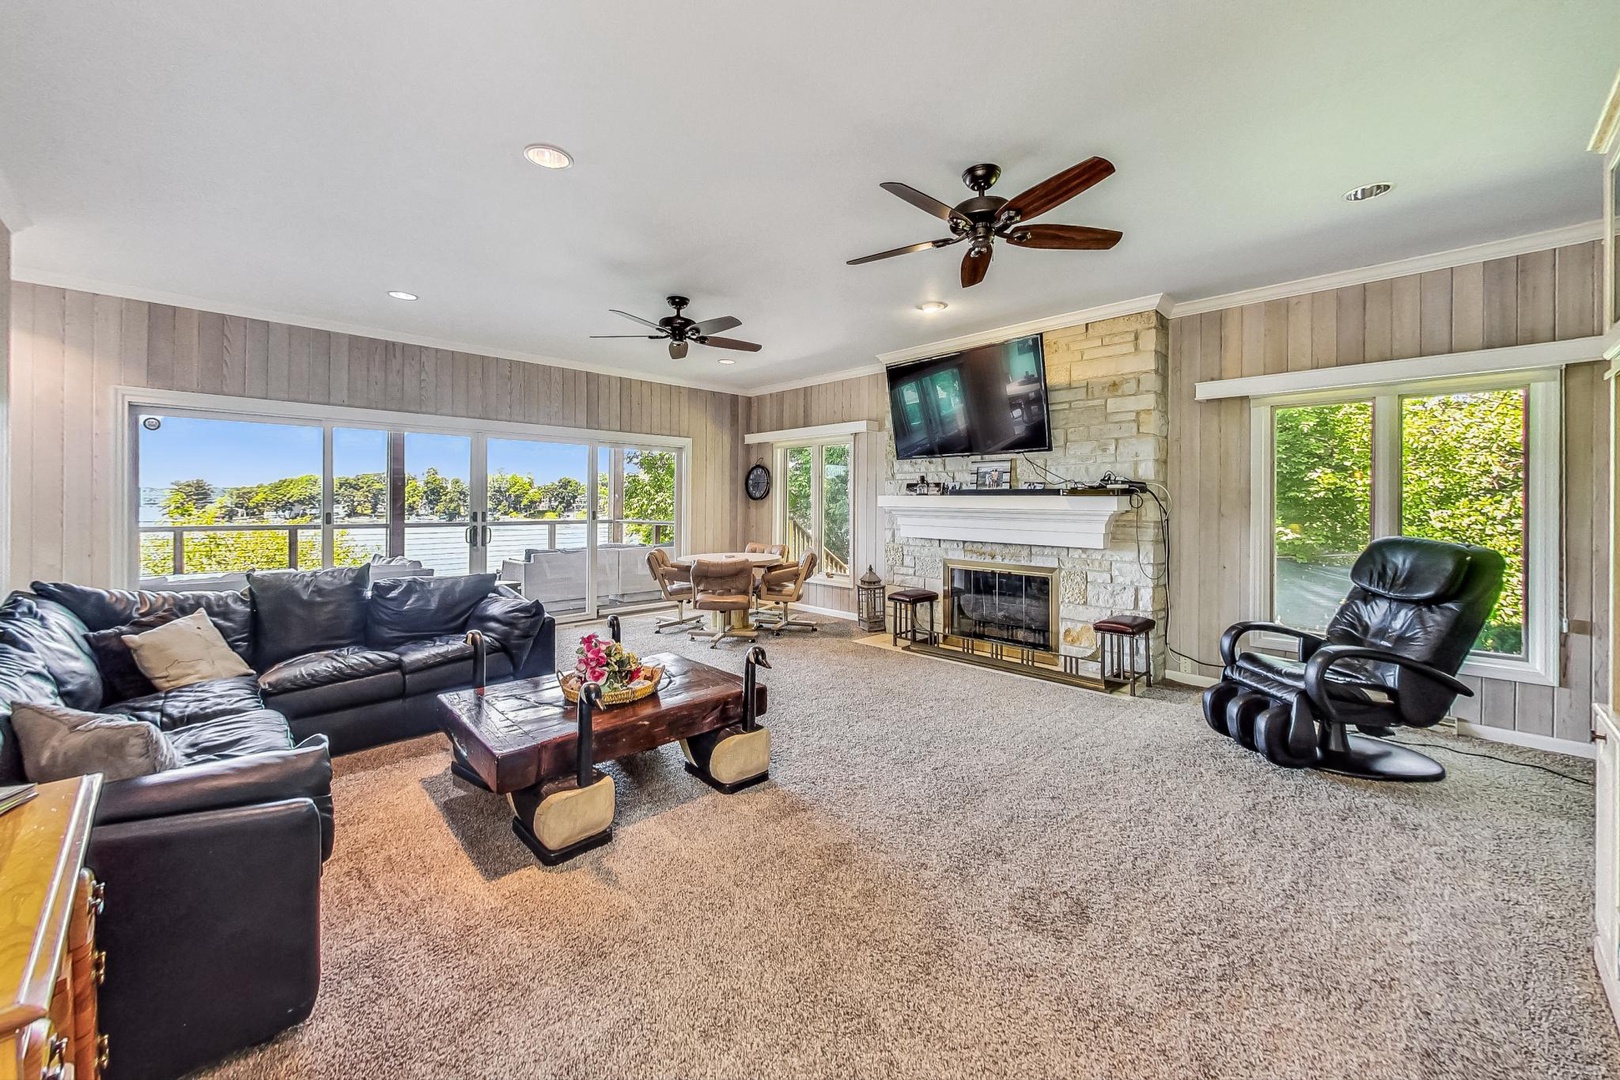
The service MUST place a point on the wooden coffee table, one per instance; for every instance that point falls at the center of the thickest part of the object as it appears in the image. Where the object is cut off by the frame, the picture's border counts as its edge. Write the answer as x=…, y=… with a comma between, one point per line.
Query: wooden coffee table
x=516, y=738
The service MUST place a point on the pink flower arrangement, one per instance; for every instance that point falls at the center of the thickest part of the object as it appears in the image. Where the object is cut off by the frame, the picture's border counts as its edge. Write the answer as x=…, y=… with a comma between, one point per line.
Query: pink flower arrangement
x=603, y=660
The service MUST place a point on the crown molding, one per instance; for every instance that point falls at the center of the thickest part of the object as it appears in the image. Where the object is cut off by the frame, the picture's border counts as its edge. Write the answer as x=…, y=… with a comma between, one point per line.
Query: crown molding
x=335, y=326
x=1417, y=264
x=858, y=372
x=1605, y=135
x=1155, y=302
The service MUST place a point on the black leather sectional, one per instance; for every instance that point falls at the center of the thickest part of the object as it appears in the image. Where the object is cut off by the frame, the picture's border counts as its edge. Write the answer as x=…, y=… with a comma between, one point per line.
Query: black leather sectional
x=212, y=869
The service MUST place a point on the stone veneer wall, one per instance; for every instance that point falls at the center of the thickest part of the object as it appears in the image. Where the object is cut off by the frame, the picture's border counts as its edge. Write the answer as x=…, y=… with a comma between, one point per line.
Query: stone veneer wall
x=1106, y=386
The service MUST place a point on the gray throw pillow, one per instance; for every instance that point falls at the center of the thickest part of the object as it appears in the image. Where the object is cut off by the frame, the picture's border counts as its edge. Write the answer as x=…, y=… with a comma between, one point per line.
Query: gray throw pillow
x=59, y=743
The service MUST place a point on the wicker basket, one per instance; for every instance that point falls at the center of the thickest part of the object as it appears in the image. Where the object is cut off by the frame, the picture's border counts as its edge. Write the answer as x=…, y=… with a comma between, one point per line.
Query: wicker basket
x=646, y=686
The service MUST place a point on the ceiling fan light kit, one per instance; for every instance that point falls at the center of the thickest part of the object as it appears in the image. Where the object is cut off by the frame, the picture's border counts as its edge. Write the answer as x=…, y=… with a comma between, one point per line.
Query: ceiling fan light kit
x=680, y=331
x=984, y=217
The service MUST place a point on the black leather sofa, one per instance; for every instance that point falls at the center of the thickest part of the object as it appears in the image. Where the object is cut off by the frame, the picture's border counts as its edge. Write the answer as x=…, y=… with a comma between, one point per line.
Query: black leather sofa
x=212, y=869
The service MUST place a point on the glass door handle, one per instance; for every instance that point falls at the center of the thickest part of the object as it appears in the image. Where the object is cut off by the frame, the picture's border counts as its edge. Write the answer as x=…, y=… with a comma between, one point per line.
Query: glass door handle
x=470, y=536
x=488, y=535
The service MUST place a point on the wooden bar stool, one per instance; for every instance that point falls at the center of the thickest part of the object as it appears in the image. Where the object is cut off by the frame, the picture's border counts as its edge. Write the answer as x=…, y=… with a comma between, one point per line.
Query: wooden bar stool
x=904, y=604
x=1117, y=639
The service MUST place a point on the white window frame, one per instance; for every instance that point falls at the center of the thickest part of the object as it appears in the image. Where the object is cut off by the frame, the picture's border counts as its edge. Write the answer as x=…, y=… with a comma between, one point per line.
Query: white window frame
x=780, y=511
x=128, y=401
x=1543, y=555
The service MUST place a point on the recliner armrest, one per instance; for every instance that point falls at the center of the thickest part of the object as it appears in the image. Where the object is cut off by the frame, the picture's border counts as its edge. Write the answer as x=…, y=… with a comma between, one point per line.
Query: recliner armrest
x=303, y=772
x=1420, y=704
x=1308, y=643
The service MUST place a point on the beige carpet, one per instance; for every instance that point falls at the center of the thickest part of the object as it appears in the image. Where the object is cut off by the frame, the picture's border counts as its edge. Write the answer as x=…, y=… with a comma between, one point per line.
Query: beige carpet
x=958, y=873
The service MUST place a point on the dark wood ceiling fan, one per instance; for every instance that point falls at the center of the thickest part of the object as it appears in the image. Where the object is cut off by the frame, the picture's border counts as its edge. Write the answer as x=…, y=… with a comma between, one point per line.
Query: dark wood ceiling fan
x=982, y=218
x=681, y=331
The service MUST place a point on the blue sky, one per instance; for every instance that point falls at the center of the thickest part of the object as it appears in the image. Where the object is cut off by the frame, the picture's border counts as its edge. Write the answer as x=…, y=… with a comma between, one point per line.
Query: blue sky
x=229, y=453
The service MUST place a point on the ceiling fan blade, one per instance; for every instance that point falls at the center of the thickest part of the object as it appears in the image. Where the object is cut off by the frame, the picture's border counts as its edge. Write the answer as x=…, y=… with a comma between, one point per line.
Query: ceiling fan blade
x=1069, y=237
x=714, y=326
x=975, y=266
x=729, y=343
x=1059, y=189
x=636, y=318
x=907, y=250
x=677, y=350
x=926, y=203
x=644, y=337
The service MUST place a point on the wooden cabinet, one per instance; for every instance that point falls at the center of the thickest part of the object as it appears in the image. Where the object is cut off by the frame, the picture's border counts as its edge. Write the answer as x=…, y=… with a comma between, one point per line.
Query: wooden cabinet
x=49, y=964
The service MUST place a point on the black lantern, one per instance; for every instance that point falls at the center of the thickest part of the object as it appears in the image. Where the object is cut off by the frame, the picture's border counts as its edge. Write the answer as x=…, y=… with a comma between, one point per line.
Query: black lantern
x=869, y=603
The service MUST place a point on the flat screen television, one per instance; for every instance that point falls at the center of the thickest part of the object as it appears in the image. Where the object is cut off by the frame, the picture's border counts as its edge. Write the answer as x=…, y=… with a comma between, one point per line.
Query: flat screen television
x=986, y=400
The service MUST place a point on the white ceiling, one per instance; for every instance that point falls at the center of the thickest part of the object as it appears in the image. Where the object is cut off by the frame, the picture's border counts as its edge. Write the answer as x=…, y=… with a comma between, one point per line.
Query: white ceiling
x=303, y=159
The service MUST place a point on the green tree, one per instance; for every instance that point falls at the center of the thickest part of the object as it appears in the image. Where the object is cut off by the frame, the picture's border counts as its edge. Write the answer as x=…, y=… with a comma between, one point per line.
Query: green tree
x=649, y=491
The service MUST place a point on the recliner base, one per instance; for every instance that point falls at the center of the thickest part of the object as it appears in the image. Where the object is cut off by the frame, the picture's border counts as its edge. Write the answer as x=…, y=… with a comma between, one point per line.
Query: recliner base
x=1367, y=758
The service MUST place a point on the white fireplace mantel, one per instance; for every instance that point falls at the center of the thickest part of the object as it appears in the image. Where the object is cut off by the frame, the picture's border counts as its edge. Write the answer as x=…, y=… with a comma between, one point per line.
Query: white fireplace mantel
x=1073, y=521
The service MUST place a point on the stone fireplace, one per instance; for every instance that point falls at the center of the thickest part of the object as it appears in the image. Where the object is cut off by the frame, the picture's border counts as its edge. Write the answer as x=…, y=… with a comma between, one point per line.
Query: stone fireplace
x=1100, y=555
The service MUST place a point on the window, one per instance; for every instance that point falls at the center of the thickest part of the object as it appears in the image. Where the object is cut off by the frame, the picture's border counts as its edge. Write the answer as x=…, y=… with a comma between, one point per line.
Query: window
x=815, y=504
x=219, y=493
x=1468, y=461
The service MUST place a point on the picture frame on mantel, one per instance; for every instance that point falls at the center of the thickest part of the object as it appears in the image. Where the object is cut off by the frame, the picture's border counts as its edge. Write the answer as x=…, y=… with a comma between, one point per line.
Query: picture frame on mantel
x=995, y=474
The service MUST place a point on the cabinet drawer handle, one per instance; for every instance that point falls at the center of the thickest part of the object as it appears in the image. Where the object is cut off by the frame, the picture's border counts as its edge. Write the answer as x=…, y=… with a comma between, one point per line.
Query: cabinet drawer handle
x=98, y=966
x=56, y=1067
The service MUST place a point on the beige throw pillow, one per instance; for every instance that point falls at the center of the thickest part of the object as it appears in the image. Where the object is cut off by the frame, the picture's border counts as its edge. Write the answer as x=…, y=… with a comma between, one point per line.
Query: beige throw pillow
x=185, y=651
x=59, y=743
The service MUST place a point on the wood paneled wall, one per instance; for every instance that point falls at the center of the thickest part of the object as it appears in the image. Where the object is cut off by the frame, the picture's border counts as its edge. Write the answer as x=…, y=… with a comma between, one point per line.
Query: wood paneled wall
x=865, y=398
x=1544, y=296
x=70, y=349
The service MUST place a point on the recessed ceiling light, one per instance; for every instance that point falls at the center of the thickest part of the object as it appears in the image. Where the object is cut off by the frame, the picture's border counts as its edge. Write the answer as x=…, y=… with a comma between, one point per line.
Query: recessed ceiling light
x=1366, y=191
x=400, y=294
x=932, y=306
x=547, y=156
x=727, y=360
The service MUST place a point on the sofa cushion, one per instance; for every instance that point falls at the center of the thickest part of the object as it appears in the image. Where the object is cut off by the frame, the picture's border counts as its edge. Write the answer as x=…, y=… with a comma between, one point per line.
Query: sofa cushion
x=121, y=677
x=408, y=608
x=236, y=736
x=56, y=638
x=509, y=621
x=445, y=662
x=21, y=680
x=185, y=651
x=59, y=743
x=332, y=679
x=104, y=609
x=303, y=611
x=198, y=703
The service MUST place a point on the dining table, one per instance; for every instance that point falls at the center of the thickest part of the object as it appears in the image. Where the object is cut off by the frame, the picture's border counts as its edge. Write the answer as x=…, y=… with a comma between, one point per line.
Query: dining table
x=760, y=560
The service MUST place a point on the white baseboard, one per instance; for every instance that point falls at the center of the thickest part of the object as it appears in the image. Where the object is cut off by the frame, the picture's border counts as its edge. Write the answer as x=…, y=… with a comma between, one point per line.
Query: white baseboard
x=1568, y=747
x=847, y=616
x=1188, y=678
x=1606, y=976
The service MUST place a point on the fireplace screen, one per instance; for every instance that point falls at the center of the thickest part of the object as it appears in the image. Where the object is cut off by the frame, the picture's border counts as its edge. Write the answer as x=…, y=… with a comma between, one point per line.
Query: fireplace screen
x=1006, y=604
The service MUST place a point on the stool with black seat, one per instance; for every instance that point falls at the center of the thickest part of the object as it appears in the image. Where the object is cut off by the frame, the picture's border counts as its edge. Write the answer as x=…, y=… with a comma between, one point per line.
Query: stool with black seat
x=1118, y=639
x=1389, y=657
x=904, y=604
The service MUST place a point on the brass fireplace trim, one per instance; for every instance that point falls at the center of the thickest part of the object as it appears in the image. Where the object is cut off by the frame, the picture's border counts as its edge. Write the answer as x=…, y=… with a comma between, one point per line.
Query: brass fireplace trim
x=958, y=643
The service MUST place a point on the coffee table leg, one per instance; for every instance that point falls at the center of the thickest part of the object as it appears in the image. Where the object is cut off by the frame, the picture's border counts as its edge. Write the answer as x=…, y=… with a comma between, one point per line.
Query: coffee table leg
x=729, y=759
x=560, y=819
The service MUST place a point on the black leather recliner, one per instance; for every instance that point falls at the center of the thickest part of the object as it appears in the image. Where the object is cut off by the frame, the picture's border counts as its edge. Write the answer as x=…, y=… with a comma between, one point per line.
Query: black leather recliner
x=1388, y=658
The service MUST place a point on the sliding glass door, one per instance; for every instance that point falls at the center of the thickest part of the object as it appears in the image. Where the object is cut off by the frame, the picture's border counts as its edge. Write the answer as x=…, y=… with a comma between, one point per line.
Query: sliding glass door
x=568, y=522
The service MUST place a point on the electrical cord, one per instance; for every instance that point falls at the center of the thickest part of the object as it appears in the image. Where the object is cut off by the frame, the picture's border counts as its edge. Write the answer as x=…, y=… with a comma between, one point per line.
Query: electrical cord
x=1493, y=757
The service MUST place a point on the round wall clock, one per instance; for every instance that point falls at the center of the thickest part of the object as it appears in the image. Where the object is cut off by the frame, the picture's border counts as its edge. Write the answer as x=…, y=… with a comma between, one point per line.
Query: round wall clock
x=758, y=484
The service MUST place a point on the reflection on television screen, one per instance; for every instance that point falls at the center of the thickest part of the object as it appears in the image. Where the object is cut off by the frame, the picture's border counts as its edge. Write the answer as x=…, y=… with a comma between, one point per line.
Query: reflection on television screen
x=986, y=400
